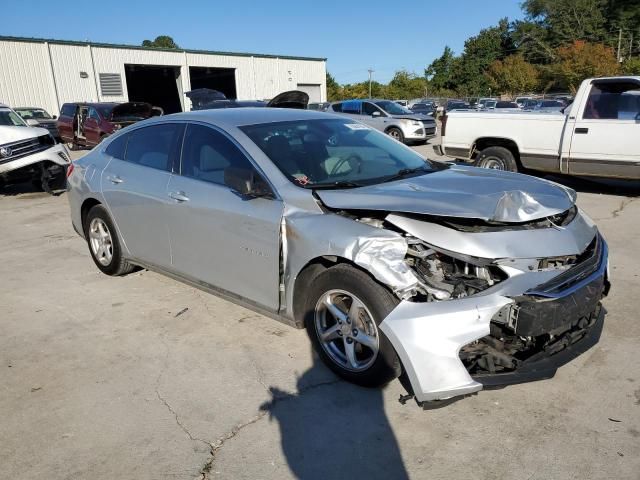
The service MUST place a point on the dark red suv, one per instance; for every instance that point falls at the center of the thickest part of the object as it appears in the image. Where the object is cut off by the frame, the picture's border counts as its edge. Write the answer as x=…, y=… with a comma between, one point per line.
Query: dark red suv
x=86, y=124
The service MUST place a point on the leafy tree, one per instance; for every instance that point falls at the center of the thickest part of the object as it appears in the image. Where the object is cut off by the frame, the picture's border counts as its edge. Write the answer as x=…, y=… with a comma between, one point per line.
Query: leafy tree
x=631, y=66
x=162, y=41
x=479, y=52
x=581, y=60
x=566, y=21
x=438, y=73
x=406, y=85
x=513, y=75
x=333, y=88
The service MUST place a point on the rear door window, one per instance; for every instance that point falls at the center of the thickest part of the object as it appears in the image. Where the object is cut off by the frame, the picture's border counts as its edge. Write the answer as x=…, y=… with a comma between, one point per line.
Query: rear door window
x=155, y=146
x=351, y=106
x=336, y=107
x=118, y=147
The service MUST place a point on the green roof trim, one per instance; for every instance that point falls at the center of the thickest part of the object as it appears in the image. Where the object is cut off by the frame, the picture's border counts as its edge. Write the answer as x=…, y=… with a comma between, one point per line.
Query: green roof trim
x=154, y=49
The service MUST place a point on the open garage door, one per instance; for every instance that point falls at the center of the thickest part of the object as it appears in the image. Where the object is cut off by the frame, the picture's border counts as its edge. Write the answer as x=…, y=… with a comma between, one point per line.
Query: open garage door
x=158, y=85
x=311, y=89
x=220, y=79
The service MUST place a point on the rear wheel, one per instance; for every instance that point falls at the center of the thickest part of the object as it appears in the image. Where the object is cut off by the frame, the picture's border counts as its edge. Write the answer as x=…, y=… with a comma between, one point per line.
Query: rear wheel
x=104, y=244
x=396, y=133
x=343, y=310
x=497, y=158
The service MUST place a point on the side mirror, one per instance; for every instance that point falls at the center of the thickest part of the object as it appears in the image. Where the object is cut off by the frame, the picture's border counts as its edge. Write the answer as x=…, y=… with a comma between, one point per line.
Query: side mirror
x=55, y=117
x=32, y=122
x=245, y=182
x=376, y=114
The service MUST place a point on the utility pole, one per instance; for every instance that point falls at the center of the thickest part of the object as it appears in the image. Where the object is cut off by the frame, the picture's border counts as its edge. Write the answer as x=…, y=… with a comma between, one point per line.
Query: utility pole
x=370, y=72
x=619, y=44
x=630, y=45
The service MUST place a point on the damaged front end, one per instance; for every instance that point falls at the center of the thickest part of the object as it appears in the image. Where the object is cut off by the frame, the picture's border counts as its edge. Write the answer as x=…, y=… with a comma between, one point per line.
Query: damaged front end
x=466, y=322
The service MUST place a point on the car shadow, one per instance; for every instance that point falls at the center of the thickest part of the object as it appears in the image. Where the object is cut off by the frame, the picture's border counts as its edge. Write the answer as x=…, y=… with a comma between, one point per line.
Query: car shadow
x=333, y=429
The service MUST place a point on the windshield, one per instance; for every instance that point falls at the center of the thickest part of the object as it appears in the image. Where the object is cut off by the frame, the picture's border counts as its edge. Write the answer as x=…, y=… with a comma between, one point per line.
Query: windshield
x=393, y=108
x=334, y=152
x=35, y=113
x=11, y=119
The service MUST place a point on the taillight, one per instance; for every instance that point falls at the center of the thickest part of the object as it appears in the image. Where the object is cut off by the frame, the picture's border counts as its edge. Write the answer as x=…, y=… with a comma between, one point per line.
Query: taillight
x=444, y=124
x=70, y=169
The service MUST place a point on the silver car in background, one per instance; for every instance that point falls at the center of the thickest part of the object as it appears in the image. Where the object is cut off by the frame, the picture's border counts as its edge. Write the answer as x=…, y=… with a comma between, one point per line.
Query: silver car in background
x=389, y=117
x=456, y=276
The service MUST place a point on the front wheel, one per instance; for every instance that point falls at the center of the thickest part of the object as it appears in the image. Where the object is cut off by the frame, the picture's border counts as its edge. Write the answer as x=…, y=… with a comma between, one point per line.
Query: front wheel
x=497, y=158
x=396, y=133
x=342, y=315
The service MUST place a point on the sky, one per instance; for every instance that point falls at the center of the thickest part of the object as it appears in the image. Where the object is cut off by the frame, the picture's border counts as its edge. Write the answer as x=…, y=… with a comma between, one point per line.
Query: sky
x=353, y=35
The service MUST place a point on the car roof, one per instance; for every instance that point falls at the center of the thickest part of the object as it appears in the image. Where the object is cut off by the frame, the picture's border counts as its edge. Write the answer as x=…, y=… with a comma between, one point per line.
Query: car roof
x=237, y=117
x=28, y=108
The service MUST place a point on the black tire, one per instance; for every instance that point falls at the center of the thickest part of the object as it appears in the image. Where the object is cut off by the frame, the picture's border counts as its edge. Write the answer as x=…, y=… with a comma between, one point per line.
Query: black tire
x=378, y=300
x=497, y=158
x=118, y=264
x=396, y=133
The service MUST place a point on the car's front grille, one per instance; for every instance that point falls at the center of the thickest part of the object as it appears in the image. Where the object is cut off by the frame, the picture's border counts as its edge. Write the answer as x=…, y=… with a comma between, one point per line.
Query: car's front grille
x=14, y=150
x=430, y=131
x=588, y=262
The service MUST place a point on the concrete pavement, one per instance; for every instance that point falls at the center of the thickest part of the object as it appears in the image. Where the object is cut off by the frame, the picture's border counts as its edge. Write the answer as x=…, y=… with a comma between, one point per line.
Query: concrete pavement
x=143, y=377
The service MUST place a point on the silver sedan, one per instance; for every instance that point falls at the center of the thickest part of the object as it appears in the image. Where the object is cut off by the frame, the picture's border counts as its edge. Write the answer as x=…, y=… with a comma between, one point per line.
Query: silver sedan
x=459, y=277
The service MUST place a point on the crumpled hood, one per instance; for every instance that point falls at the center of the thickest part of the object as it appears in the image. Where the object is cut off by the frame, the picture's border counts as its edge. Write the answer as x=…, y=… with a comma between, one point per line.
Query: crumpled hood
x=463, y=192
x=10, y=134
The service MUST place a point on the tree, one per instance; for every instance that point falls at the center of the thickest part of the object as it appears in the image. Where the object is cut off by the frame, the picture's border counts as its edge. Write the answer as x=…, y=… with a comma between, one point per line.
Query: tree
x=333, y=88
x=567, y=21
x=582, y=60
x=162, y=41
x=406, y=85
x=513, y=75
x=481, y=51
x=631, y=66
x=438, y=73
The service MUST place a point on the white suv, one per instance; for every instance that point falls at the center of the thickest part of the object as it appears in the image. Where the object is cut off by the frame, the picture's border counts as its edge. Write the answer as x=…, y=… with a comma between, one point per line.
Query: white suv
x=28, y=153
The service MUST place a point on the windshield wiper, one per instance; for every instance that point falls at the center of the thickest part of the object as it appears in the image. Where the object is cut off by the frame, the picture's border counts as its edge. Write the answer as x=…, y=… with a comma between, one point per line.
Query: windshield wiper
x=405, y=172
x=338, y=184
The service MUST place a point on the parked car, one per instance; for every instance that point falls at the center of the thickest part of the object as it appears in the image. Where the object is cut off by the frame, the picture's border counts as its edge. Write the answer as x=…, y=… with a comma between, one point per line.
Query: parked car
x=598, y=135
x=458, y=277
x=404, y=103
x=28, y=153
x=207, y=99
x=87, y=124
x=39, y=117
x=426, y=108
x=507, y=106
x=483, y=101
x=319, y=106
x=529, y=104
x=456, y=105
x=390, y=118
x=549, y=106
x=521, y=101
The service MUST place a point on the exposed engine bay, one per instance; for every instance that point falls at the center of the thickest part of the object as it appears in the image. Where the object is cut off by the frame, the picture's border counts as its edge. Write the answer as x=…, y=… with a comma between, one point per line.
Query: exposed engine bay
x=551, y=310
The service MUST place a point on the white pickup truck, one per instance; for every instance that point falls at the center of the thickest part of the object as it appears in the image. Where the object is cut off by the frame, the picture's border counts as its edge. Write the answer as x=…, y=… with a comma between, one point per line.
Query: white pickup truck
x=598, y=134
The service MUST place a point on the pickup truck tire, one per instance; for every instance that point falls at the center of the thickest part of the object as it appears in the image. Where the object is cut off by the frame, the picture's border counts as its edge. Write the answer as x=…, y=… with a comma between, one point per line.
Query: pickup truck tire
x=497, y=158
x=104, y=244
x=396, y=133
x=342, y=312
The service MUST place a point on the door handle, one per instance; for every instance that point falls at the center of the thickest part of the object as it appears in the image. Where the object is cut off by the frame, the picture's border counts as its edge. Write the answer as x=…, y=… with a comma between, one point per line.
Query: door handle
x=582, y=130
x=179, y=196
x=115, y=179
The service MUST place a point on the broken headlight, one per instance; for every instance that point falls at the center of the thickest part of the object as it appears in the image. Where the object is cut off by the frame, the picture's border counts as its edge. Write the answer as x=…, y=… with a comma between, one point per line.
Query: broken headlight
x=443, y=277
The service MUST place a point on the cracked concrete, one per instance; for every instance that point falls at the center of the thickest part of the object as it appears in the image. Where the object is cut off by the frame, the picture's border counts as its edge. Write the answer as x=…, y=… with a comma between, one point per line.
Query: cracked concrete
x=100, y=379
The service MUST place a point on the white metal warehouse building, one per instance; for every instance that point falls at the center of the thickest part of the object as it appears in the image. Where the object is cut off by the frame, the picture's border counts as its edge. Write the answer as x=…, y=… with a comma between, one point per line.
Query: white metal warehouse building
x=48, y=73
